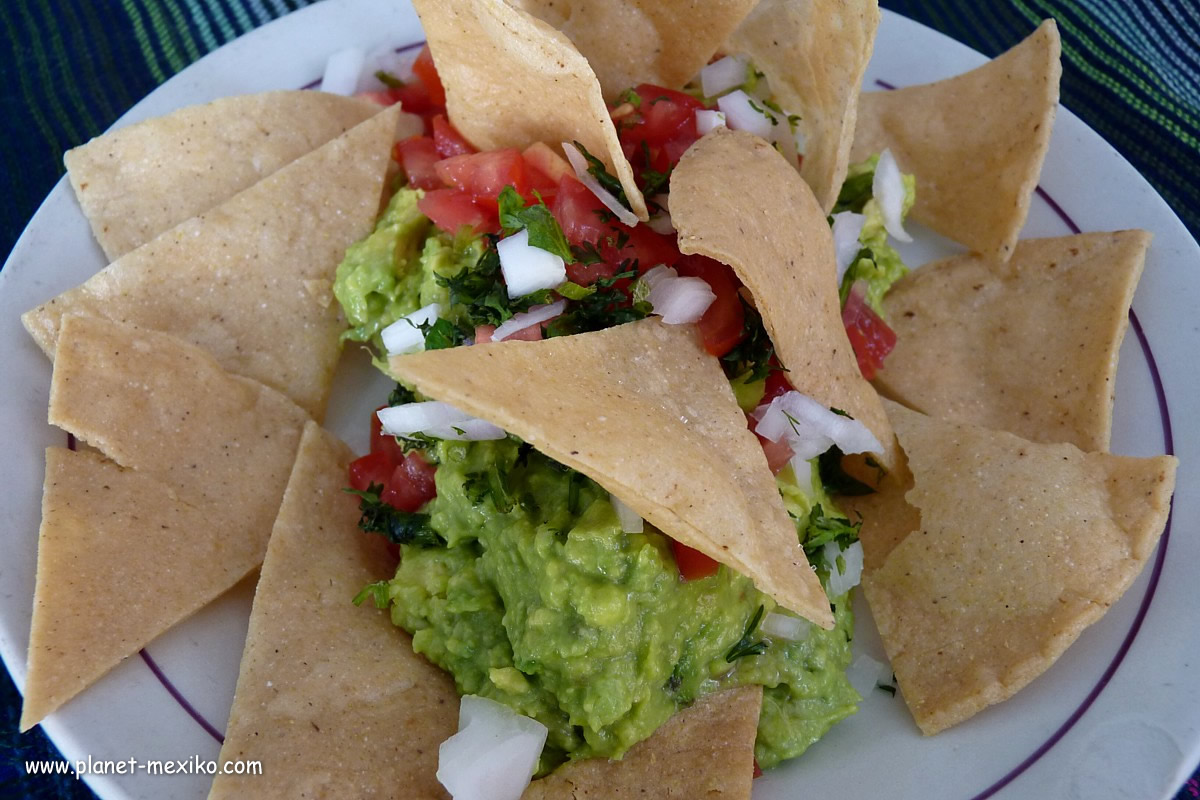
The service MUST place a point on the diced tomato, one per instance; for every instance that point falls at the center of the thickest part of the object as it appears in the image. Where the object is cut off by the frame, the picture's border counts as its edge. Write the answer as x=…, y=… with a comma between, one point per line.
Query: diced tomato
x=587, y=274
x=777, y=384
x=579, y=213
x=869, y=335
x=418, y=156
x=542, y=157
x=483, y=333
x=484, y=175
x=450, y=209
x=448, y=141
x=426, y=72
x=778, y=453
x=757, y=769
x=371, y=468
x=383, y=443
x=648, y=247
x=693, y=565
x=384, y=97
x=415, y=99
x=665, y=115
x=722, y=325
x=411, y=484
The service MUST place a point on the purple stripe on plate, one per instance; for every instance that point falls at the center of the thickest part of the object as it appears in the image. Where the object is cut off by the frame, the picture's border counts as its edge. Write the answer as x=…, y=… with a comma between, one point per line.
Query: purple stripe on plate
x=208, y=727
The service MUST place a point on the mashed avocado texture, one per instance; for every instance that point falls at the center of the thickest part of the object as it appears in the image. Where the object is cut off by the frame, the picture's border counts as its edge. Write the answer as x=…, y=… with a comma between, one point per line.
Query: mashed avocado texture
x=538, y=600
x=877, y=262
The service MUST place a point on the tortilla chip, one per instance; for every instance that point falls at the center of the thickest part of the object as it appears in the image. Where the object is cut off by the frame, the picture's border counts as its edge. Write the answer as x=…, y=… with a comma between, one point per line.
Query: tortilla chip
x=1031, y=348
x=814, y=54
x=886, y=516
x=705, y=751
x=136, y=182
x=644, y=411
x=250, y=280
x=782, y=250
x=975, y=142
x=1021, y=547
x=512, y=80
x=628, y=42
x=331, y=698
x=128, y=549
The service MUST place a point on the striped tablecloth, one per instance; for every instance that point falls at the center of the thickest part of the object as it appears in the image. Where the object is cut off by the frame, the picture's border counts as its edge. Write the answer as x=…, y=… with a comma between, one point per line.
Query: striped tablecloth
x=69, y=68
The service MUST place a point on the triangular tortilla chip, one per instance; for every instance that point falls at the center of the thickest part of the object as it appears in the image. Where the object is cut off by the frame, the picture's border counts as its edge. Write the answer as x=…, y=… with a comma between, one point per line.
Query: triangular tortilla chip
x=1031, y=348
x=627, y=42
x=331, y=698
x=136, y=182
x=512, y=80
x=814, y=54
x=975, y=142
x=1021, y=547
x=782, y=250
x=128, y=549
x=645, y=412
x=251, y=281
x=705, y=751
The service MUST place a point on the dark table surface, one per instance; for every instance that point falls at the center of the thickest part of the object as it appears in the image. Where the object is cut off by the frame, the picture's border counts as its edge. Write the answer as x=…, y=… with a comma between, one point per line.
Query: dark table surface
x=69, y=68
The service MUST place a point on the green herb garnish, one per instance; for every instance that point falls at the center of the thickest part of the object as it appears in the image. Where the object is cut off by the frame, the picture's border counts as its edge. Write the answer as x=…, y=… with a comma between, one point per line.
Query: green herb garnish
x=378, y=592
x=746, y=646
x=544, y=230
x=442, y=334
x=388, y=79
x=630, y=96
x=835, y=478
x=605, y=307
x=754, y=352
x=398, y=527
x=605, y=178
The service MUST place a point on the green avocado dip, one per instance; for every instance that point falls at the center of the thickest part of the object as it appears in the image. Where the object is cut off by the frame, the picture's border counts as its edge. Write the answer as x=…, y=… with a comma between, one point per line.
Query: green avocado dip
x=533, y=596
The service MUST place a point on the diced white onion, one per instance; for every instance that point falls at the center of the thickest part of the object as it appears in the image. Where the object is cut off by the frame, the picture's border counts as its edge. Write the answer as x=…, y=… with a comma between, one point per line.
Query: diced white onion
x=810, y=428
x=677, y=300
x=847, y=227
x=802, y=468
x=661, y=222
x=437, y=419
x=844, y=579
x=708, y=121
x=404, y=335
x=631, y=521
x=743, y=113
x=801, y=140
x=386, y=59
x=655, y=275
x=721, y=76
x=527, y=319
x=493, y=755
x=888, y=188
x=527, y=268
x=579, y=164
x=785, y=626
x=342, y=71
x=865, y=673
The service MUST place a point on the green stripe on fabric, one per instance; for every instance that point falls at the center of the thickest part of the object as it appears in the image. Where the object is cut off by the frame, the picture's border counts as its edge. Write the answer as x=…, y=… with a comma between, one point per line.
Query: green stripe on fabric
x=162, y=34
x=143, y=40
x=994, y=35
x=52, y=99
x=115, y=94
x=182, y=31
x=201, y=22
x=32, y=101
x=69, y=82
x=226, y=28
x=241, y=18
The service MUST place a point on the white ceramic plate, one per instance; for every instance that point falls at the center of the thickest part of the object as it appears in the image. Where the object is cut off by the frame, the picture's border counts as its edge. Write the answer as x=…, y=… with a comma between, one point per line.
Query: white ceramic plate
x=1115, y=717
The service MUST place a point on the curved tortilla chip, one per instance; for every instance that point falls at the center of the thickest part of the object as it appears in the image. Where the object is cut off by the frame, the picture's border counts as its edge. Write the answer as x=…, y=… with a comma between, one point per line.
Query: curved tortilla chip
x=512, y=80
x=128, y=181
x=1031, y=348
x=976, y=142
x=704, y=751
x=782, y=250
x=251, y=280
x=128, y=549
x=1020, y=547
x=627, y=42
x=331, y=699
x=644, y=411
x=814, y=54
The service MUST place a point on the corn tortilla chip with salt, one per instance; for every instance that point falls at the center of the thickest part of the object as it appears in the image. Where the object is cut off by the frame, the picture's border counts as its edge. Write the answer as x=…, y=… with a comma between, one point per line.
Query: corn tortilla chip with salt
x=1029, y=348
x=627, y=42
x=132, y=545
x=814, y=54
x=975, y=142
x=136, y=182
x=782, y=250
x=251, y=280
x=512, y=80
x=331, y=698
x=645, y=412
x=705, y=751
x=1020, y=547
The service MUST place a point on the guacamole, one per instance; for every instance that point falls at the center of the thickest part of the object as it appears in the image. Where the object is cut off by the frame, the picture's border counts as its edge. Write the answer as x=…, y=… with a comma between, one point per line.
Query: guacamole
x=537, y=599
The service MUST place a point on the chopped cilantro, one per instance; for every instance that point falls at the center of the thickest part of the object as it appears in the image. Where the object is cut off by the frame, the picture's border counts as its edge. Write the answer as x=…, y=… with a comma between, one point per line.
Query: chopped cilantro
x=823, y=529
x=493, y=483
x=753, y=354
x=746, y=646
x=398, y=527
x=442, y=334
x=481, y=292
x=544, y=231
x=401, y=395
x=377, y=591
x=630, y=96
x=573, y=291
x=388, y=79
x=855, y=193
x=605, y=178
x=605, y=307
x=587, y=253
x=835, y=478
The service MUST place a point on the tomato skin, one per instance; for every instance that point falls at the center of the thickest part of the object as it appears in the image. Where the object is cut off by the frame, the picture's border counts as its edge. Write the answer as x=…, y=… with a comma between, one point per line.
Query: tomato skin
x=384, y=443
x=776, y=385
x=450, y=209
x=693, y=565
x=427, y=73
x=485, y=174
x=418, y=157
x=665, y=115
x=411, y=484
x=778, y=453
x=723, y=324
x=541, y=157
x=869, y=335
x=580, y=213
x=447, y=140
x=371, y=468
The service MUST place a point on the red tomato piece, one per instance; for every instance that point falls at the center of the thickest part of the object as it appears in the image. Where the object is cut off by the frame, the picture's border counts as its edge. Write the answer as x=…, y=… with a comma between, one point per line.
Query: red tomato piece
x=411, y=484
x=418, y=157
x=777, y=384
x=778, y=453
x=869, y=335
x=448, y=141
x=579, y=213
x=665, y=115
x=722, y=325
x=384, y=97
x=384, y=443
x=427, y=73
x=414, y=98
x=450, y=209
x=371, y=468
x=757, y=770
x=483, y=333
x=693, y=565
x=643, y=244
x=484, y=175
x=540, y=156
